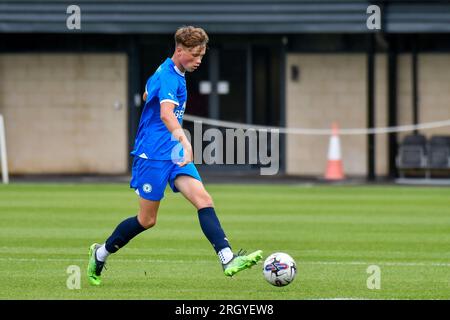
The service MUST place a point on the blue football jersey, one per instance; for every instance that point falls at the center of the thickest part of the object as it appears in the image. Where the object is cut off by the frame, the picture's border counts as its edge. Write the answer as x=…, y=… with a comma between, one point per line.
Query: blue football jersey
x=153, y=139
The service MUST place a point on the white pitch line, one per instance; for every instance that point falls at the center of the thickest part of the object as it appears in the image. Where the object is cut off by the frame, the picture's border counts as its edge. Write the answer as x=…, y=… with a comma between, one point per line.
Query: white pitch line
x=85, y=260
x=399, y=264
x=358, y=263
x=342, y=298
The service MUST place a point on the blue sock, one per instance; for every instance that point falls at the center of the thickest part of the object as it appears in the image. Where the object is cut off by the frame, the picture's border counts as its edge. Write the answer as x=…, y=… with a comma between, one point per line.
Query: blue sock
x=124, y=232
x=211, y=228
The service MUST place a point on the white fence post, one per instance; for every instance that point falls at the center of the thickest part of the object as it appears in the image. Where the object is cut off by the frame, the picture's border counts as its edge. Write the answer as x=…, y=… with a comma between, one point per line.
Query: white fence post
x=3, y=157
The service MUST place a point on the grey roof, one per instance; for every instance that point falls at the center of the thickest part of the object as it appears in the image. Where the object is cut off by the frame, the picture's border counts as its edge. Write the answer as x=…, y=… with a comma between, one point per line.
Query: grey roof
x=225, y=17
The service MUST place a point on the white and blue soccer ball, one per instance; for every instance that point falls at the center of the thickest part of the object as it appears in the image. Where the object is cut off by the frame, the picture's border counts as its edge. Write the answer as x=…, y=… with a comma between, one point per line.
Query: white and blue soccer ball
x=279, y=269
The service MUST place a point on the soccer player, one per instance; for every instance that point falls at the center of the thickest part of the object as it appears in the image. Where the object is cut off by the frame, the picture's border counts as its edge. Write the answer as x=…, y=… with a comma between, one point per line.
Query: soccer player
x=163, y=154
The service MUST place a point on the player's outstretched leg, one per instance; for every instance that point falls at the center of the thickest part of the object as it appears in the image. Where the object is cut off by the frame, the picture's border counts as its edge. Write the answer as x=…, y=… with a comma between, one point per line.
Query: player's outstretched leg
x=241, y=261
x=195, y=192
x=231, y=263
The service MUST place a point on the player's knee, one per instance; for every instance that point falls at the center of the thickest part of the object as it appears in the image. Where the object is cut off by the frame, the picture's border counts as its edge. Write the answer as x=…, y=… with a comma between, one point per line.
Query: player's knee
x=204, y=201
x=147, y=222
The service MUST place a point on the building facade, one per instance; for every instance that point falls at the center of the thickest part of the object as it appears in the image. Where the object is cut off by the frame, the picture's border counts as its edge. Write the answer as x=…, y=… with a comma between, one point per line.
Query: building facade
x=71, y=97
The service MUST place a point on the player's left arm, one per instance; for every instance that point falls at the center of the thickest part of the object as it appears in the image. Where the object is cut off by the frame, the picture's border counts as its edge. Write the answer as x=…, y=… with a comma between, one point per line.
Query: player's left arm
x=171, y=122
x=168, y=101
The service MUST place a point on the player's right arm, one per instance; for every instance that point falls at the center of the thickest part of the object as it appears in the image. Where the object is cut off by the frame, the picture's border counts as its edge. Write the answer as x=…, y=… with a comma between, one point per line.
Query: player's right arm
x=172, y=124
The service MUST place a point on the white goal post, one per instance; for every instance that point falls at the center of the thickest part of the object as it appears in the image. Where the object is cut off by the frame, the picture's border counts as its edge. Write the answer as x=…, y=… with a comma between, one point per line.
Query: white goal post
x=3, y=158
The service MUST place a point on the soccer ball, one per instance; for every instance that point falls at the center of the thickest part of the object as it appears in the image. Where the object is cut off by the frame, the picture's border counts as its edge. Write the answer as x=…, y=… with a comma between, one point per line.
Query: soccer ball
x=279, y=269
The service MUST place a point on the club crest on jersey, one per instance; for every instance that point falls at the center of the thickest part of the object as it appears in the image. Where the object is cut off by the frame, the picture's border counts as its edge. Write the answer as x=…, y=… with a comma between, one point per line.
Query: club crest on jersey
x=147, y=188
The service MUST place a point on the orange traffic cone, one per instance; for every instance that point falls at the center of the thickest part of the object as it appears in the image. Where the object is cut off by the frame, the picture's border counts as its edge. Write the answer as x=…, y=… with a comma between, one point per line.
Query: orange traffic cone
x=334, y=165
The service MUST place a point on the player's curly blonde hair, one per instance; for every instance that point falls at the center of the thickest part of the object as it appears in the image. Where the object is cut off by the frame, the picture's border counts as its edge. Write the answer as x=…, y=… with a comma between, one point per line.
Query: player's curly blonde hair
x=191, y=37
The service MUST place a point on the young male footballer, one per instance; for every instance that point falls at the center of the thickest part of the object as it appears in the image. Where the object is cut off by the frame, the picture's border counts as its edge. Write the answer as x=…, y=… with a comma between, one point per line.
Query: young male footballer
x=163, y=154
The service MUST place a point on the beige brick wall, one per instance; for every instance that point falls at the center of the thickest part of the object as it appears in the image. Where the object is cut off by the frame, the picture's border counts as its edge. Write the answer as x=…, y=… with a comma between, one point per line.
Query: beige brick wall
x=404, y=95
x=59, y=112
x=433, y=91
x=331, y=87
x=381, y=115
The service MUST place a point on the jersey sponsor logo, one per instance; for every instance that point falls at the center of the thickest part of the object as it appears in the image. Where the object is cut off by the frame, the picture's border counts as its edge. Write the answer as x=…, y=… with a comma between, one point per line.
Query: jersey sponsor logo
x=171, y=95
x=180, y=112
x=147, y=188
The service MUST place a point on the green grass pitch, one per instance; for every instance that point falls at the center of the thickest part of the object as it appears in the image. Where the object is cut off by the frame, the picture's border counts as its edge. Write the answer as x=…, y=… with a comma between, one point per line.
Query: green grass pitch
x=333, y=232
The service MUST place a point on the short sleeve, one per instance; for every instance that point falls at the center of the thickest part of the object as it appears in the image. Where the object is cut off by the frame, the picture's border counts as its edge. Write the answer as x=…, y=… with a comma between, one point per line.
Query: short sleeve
x=168, y=89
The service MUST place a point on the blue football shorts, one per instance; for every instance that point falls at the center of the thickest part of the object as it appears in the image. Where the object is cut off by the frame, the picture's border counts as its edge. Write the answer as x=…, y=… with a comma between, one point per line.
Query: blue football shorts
x=149, y=177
